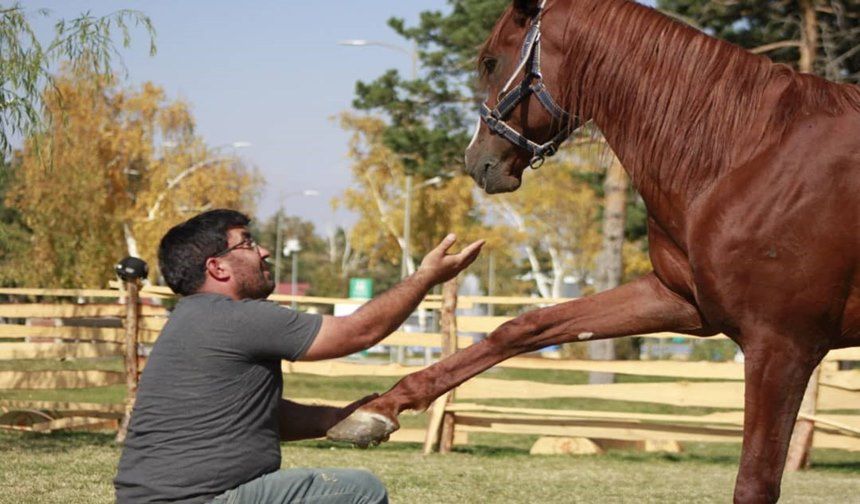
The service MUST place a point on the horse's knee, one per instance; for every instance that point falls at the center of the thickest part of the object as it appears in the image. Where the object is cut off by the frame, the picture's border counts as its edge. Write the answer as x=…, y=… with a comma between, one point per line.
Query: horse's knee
x=516, y=334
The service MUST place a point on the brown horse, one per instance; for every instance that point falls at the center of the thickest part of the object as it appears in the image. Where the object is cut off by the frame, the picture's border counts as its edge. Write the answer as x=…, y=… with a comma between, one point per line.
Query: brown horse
x=751, y=176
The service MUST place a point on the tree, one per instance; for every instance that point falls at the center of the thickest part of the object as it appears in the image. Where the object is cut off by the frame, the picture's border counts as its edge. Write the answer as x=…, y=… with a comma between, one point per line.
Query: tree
x=98, y=187
x=324, y=261
x=428, y=124
x=555, y=215
x=428, y=114
x=13, y=233
x=821, y=36
x=86, y=42
x=439, y=205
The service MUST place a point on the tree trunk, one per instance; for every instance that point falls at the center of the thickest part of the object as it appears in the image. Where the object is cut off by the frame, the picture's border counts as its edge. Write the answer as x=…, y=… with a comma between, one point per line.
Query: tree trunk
x=801, y=440
x=610, y=268
x=808, y=36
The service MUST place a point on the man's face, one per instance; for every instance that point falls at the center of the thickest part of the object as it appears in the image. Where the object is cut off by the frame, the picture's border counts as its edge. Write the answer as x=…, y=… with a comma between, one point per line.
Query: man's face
x=251, y=272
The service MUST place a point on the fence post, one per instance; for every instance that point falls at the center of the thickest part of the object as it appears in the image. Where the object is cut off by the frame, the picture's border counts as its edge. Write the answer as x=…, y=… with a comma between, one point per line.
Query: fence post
x=131, y=270
x=800, y=447
x=441, y=425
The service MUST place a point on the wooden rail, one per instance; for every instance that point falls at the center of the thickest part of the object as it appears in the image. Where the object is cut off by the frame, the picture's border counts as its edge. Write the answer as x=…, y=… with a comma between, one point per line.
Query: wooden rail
x=40, y=331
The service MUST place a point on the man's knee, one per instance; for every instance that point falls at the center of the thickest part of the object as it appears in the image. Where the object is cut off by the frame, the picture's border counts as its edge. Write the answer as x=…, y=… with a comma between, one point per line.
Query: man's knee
x=366, y=484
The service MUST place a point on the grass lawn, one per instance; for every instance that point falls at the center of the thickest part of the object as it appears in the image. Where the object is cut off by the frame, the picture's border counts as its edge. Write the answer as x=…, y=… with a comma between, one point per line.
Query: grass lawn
x=79, y=467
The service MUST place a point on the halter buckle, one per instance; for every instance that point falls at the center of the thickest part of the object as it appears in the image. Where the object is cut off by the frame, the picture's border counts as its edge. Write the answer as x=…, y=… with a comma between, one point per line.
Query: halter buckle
x=536, y=162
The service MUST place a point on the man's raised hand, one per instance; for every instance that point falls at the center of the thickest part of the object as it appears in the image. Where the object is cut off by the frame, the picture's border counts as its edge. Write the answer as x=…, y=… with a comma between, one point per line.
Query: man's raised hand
x=442, y=266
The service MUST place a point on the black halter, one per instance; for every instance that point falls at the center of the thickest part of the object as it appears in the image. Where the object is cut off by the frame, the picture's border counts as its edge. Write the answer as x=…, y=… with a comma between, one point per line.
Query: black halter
x=532, y=83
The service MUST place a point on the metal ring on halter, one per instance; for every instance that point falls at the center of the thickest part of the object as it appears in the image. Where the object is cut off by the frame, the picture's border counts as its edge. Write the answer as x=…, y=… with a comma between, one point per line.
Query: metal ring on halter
x=536, y=162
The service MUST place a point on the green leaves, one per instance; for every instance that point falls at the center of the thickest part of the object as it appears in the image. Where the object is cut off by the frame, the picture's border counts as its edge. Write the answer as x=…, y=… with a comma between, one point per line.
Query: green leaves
x=775, y=29
x=86, y=42
x=430, y=116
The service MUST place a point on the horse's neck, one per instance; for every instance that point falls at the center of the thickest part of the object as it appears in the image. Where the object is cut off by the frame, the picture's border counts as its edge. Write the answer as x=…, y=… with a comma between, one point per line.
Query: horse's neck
x=675, y=122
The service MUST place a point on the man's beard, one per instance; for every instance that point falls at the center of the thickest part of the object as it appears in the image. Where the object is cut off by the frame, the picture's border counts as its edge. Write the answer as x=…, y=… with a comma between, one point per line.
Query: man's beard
x=253, y=284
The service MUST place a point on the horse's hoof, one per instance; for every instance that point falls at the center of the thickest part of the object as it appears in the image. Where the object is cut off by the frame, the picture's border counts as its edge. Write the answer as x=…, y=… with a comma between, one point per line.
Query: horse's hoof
x=362, y=428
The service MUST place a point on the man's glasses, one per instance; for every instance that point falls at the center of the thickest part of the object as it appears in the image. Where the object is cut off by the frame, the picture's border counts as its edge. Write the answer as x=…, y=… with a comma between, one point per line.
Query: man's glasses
x=248, y=243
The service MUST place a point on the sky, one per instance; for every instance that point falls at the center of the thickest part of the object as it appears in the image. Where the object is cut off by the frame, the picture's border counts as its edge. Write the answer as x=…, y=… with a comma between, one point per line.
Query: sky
x=269, y=73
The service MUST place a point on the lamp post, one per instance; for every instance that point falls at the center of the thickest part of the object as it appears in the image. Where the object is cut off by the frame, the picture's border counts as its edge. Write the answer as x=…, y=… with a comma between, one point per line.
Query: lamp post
x=292, y=248
x=407, y=209
x=279, y=232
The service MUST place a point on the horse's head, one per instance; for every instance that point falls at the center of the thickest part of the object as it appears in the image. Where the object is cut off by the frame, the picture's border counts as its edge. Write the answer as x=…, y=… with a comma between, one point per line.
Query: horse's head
x=521, y=123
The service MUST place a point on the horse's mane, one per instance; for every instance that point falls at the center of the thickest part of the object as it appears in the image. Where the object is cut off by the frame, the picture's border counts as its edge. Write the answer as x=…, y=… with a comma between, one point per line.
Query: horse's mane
x=677, y=99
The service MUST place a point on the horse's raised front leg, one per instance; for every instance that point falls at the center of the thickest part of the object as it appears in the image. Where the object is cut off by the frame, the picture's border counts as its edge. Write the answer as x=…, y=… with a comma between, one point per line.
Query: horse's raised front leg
x=639, y=307
x=777, y=369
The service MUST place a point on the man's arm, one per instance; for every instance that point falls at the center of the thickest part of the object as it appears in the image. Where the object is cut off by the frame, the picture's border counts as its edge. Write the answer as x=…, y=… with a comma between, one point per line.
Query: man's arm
x=301, y=421
x=370, y=324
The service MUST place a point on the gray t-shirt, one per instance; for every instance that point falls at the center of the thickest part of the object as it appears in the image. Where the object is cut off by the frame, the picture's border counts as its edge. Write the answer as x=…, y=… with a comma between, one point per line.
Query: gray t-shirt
x=206, y=415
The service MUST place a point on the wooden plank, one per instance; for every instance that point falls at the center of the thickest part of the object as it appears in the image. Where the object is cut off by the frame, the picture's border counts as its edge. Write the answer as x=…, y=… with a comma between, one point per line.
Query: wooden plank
x=29, y=310
x=10, y=351
x=846, y=380
x=149, y=291
x=59, y=379
x=481, y=324
x=338, y=368
x=512, y=300
x=493, y=420
x=148, y=337
x=74, y=423
x=425, y=340
x=835, y=442
x=114, y=410
x=843, y=424
x=687, y=423
x=78, y=333
x=434, y=426
x=630, y=434
x=711, y=370
x=152, y=323
x=848, y=354
x=103, y=293
x=60, y=310
x=305, y=300
x=710, y=394
x=727, y=418
x=821, y=440
x=669, y=335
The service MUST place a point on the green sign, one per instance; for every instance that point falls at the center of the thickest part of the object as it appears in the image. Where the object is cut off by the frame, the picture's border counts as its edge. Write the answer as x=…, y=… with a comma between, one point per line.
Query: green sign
x=360, y=288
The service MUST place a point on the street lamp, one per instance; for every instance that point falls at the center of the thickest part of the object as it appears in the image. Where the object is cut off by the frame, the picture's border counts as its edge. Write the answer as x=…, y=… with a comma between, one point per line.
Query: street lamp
x=411, y=52
x=279, y=248
x=292, y=248
x=413, y=56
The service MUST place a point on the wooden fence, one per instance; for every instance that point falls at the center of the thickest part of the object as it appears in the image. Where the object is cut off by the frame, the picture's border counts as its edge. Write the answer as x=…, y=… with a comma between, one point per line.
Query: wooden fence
x=95, y=324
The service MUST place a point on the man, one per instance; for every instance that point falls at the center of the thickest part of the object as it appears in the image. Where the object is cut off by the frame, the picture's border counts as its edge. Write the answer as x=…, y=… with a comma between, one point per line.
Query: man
x=209, y=416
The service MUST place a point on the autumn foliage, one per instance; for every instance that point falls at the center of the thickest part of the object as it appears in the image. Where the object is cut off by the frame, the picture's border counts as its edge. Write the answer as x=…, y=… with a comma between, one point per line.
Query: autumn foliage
x=111, y=173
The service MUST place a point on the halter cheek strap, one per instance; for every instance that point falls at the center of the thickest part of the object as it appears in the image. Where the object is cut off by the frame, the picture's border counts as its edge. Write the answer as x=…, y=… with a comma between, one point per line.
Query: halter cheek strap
x=532, y=83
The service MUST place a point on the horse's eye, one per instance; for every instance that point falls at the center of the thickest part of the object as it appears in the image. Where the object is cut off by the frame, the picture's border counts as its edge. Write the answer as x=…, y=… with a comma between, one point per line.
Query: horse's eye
x=488, y=65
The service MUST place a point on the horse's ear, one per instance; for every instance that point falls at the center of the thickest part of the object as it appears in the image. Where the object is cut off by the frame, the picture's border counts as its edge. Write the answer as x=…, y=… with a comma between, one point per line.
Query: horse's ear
x=528, y=8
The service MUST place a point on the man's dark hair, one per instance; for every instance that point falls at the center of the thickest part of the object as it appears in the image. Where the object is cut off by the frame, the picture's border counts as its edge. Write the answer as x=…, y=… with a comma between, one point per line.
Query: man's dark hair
x=183, y=251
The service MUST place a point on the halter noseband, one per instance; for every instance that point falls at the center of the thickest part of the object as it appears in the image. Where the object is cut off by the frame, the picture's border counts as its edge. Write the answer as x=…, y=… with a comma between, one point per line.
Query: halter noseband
x=532, y=83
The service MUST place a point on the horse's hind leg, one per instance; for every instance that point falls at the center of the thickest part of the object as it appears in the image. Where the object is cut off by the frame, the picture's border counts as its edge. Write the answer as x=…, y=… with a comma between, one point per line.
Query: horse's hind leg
x=777, y=369
x=639, y=307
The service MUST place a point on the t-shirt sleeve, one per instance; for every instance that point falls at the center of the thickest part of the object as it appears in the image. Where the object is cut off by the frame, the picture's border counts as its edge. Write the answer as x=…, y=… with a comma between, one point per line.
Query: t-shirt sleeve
x=276, y=332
